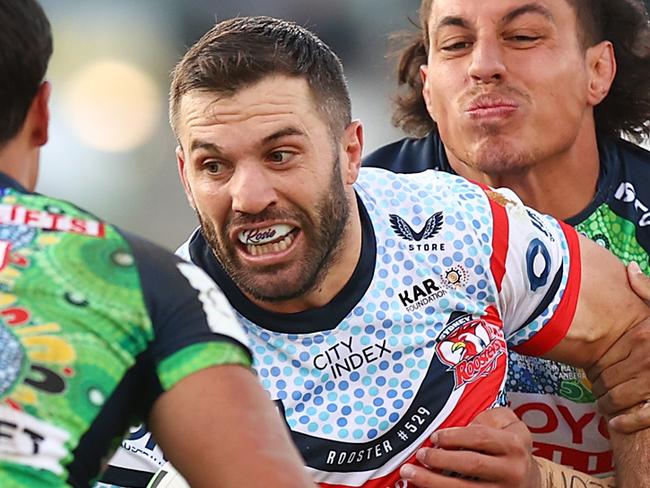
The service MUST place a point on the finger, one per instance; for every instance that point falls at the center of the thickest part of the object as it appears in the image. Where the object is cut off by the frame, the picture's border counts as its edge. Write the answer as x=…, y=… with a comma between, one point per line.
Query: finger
x=618, y=352
x=639, y=282
x=632, y=422
x=499, y=418
x=425, y=478
x=624, y=396
x=467, y=463
x=612, y=377
x=509, y=428
x=636, y=342
x=478, y=438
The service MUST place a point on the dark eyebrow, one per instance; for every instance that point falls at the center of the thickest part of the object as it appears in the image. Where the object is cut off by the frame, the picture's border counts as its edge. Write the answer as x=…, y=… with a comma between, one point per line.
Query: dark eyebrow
x=215, y=148
x=529, y=8
x=208, y=146
x=287, y=131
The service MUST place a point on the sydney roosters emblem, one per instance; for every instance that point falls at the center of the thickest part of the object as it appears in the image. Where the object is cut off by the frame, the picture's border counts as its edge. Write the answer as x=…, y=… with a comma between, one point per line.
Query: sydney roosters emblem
x=470, y=347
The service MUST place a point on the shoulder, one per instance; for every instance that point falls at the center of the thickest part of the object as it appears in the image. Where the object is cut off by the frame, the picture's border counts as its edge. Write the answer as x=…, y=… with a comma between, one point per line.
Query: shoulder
x=425, y=203
x=185, y=250
x=625, y=158
x=634, y=152
x=626, y=167
x=394, y=189
x=408, y=155
x=627, y=171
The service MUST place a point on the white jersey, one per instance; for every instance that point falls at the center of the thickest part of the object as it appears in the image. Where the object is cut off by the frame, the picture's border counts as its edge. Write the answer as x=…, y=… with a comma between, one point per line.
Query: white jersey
x=451, y=276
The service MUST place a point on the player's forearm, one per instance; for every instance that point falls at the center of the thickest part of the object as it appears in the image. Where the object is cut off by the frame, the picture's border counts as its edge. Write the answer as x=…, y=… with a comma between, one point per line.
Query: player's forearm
x=557, y=476
x=231, y=437
x=631, y=458
x=607, y=307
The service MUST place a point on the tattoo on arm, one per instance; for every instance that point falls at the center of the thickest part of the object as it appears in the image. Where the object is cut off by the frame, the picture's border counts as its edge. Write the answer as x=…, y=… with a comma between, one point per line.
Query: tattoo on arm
x=557, y=476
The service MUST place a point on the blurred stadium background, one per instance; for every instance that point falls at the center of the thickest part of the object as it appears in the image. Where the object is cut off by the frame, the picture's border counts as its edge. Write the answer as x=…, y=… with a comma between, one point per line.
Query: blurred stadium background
x=111, y=150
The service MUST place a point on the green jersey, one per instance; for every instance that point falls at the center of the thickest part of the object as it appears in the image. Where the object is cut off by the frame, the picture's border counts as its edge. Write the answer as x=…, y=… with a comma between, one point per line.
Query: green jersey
x=94, y=325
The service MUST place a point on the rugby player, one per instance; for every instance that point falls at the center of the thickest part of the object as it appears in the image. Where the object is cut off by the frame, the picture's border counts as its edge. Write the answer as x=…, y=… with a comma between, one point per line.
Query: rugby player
x=533, y=96
x=99, y=327
x=380, y=306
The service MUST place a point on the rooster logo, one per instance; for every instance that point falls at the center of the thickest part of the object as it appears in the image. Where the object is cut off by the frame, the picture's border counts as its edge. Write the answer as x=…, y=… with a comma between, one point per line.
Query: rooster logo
x=404, y=230
x=470, y=347
x=469, y=344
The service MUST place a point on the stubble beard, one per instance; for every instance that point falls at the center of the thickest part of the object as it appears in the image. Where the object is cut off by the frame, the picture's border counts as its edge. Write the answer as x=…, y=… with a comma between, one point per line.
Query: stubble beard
x=322, y=243
x=496, y=156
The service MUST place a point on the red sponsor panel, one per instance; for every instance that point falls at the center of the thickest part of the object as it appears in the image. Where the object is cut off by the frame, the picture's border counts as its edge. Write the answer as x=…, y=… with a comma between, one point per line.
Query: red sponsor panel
x=566, y=432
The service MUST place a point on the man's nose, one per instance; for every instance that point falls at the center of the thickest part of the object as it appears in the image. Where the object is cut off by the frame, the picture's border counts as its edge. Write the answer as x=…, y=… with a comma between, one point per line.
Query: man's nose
x=487, y=63
x=251, y=189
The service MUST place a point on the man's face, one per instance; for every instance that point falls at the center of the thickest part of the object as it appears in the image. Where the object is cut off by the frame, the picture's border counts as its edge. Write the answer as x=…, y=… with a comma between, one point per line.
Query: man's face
x=264, y=175
x=506, y=81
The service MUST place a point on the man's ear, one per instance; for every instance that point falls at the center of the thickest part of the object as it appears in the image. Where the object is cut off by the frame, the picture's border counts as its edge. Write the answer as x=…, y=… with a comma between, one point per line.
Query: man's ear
x=424, y=76
x=182, y=173
x=38, y=116
x=601, y=65
x=352, y=143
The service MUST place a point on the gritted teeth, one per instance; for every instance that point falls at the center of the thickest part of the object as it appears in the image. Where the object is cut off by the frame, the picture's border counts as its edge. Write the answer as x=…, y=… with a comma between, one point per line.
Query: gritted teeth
x=265, y=235
x=261, y=249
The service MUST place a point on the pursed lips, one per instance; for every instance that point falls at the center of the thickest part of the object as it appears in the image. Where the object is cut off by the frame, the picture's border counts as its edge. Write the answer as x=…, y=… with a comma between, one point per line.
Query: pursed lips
x=490, y=106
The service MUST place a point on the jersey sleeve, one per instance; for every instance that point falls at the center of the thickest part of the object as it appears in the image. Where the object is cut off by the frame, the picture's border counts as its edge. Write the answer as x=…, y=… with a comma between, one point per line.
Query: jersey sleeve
x=193, y=324
x=535, y=263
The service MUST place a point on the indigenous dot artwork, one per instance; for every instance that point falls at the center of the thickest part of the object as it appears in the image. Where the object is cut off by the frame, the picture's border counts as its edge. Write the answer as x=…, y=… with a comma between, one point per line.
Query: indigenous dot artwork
x=541, y=376
x=57, y=296
x=616, y=234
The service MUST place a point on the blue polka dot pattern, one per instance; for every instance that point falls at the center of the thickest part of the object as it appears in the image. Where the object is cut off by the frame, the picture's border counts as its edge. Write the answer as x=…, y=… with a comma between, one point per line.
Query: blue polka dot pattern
x=353, y=383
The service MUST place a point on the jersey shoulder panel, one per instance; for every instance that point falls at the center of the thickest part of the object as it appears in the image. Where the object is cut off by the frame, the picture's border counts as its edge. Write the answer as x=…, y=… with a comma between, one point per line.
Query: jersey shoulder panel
x=178, y=292
x=624, y=219
x=410, y=155
x=502, y=238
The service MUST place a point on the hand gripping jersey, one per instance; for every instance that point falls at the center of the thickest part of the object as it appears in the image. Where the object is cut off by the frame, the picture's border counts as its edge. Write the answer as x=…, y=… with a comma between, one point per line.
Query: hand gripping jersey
x=94, y=326
x=450, y=276
x=554, y=399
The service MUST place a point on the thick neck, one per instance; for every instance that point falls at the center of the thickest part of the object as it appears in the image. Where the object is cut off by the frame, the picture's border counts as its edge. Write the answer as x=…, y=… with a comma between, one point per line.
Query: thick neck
x=561, y=185
x=19, y=160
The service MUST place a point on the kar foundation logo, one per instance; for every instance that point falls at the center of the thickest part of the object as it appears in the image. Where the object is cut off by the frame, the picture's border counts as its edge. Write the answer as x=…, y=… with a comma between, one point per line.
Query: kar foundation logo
x=470, y=347
x=431, y=228
x=454, y=278
x=420, y=295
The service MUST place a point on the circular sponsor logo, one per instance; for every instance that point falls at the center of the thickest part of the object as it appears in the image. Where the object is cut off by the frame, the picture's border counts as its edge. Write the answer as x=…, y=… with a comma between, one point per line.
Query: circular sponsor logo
x=454, y=277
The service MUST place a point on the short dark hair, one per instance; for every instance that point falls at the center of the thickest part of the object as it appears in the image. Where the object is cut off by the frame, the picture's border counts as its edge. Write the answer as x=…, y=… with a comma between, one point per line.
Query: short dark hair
x=25, y=50
x=240, y=52
x=622, y=22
